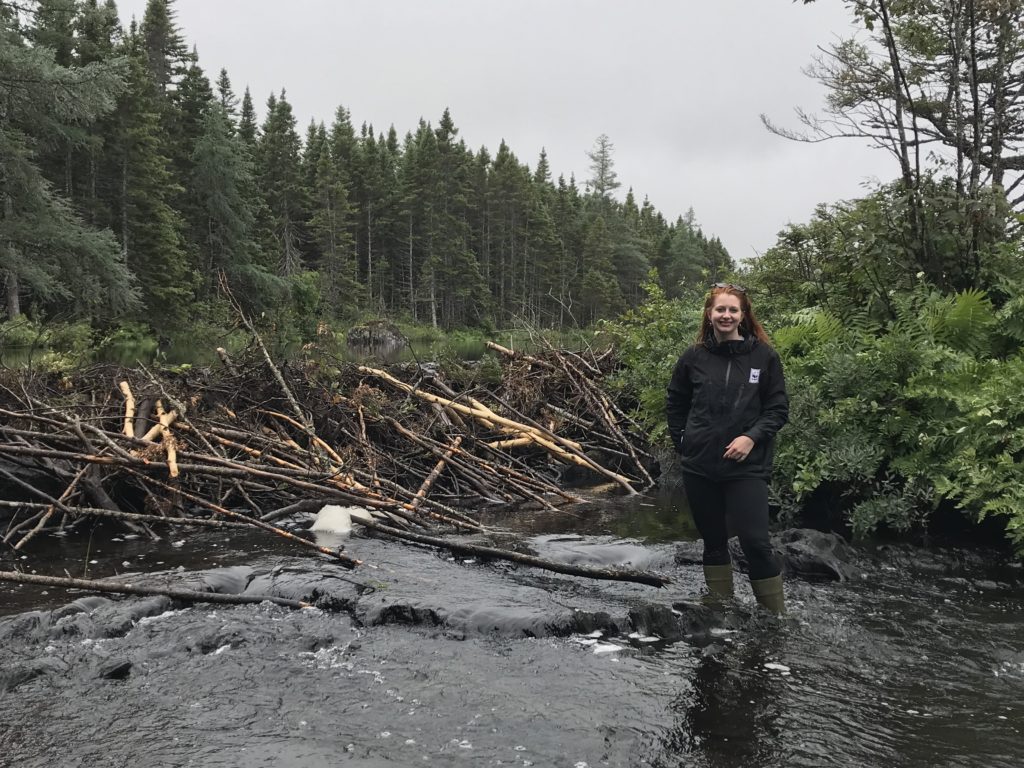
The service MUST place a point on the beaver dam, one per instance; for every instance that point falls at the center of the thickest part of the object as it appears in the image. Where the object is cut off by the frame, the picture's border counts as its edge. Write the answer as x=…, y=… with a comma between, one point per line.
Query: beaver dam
x=252, y=442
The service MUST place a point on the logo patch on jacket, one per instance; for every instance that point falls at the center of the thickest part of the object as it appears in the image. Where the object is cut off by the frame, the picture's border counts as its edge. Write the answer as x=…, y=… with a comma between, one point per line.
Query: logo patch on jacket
x=755, y=375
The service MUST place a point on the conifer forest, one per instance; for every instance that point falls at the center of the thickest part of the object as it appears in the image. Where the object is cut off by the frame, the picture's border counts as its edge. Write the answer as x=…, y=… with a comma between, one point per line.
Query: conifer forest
x=133, y=178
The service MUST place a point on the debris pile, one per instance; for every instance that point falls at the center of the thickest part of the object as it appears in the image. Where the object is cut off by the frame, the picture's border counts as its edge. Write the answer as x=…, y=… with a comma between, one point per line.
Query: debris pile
x=420, y=449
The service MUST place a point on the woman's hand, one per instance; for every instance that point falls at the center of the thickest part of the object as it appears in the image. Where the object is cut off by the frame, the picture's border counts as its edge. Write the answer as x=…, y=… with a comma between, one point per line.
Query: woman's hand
x=738, y=449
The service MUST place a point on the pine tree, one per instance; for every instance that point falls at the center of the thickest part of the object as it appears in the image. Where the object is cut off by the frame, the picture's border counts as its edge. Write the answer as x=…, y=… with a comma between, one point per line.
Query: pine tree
x=221, y=182
x=508, y=197
x=149, y=228
x=568, y=225
x=97, y=32
x=330, y=227
x=278, y=164
x=603, y=179
x=166, y=54
x=247, y=121
x=600, y=293
x=46, y=253
x=226, y=96
x=53, y=28
x=185, y=123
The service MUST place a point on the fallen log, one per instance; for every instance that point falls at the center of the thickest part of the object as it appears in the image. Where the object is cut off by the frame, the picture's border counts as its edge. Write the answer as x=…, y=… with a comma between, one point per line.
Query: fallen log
x=185, y=595
x=606, y=574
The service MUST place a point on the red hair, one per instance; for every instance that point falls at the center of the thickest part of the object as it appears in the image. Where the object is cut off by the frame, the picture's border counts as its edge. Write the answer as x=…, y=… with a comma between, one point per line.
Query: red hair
x=749, y=326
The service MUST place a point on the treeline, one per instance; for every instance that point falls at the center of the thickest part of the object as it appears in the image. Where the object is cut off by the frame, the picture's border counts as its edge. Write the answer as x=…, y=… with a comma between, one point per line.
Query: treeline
x=131, y=182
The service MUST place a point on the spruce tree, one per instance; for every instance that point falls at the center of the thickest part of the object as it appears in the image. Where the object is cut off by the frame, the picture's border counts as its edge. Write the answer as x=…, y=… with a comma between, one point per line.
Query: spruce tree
x=97, y=32
x=603, y=179
x=247, y=128
x=221, y=179
x=148, y=226
x=47, y=255
x=278, y=164
x=166, y=54
x=226, y=96
x=330, y=227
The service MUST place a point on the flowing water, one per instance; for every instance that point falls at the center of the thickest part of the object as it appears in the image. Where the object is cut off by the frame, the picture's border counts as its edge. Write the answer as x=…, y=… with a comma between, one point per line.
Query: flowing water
x=433, y=660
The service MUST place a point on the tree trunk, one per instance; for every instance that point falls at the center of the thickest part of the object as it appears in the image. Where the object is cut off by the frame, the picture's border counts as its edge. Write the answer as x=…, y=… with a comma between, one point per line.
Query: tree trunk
x=124, y=208
x=369, y=253
x=13, y=301
x=433, y=298
x=412, y=284
x=11, y=285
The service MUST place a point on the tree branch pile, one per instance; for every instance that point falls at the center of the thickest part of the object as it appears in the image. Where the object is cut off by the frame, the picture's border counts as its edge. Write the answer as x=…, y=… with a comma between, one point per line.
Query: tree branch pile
x=235, y=446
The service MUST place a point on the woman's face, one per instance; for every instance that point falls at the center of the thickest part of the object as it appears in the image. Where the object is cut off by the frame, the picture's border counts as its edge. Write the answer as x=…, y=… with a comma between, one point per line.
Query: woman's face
x=726, y=315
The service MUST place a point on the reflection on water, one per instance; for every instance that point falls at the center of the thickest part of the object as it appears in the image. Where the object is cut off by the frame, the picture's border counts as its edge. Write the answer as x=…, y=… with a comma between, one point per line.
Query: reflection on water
x=654, y=517
x=731, y=715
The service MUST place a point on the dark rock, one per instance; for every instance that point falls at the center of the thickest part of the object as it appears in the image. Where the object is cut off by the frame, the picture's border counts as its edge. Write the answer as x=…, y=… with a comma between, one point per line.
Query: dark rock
x=808, y=554
x=376, y=333
x=24, y=626
x=118, y=669
x=81, y=605
x=814, y=554
x=13, y=675
x=229, y=581
x=656, y=619
x=689, y=553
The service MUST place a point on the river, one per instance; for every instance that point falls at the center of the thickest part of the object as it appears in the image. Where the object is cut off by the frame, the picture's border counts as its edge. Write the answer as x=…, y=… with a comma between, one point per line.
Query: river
x=425, y=659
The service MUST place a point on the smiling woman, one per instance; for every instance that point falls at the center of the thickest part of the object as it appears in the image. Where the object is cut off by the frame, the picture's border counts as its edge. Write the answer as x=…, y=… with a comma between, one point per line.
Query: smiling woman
x=726, y=401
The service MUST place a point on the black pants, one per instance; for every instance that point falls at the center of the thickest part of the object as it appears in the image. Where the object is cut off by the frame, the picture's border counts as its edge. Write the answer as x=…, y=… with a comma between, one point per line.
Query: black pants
x=739, y=505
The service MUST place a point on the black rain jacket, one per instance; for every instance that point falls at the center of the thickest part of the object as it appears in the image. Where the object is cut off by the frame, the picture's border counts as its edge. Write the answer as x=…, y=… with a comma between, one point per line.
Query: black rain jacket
x=719, y=391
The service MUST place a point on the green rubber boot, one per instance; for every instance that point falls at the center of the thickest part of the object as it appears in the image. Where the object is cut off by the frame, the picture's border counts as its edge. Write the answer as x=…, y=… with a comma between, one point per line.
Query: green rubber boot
x=719, y=580
x=768, y=593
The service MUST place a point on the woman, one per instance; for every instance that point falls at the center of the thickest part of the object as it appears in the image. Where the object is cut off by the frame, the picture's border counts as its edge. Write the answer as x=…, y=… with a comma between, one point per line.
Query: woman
x=726, y=400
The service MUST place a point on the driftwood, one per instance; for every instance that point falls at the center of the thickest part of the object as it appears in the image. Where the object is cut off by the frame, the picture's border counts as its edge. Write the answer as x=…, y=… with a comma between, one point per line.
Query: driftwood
x=186, y=595
x=232, y=446
x=606, y=574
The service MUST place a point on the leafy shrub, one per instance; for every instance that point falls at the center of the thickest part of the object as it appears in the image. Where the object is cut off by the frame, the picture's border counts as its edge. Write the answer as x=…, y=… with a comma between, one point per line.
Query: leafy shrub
x=649, y=341
x=888, y=420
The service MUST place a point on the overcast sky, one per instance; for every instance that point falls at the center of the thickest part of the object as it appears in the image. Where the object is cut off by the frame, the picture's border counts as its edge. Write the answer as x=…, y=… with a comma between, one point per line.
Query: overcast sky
x=677, y=85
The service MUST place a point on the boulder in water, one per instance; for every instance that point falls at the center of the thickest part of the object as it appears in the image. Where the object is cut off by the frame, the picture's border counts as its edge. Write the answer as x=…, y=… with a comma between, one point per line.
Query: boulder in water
x=809, y=554
x=376, y=333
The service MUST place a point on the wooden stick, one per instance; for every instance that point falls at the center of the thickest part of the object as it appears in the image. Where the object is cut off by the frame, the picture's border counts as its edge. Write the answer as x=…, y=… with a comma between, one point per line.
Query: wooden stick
x=345, y=560
x=330, y=451
x=608, y=574
x=421, y=494
x=519, y=355
x=517, y=442
x=186, y=595
x=68, y=492
x=201, y=522
x=490, y=416
x=157, y=429
x=168, y=440
x=226, y=360
x=129, y=408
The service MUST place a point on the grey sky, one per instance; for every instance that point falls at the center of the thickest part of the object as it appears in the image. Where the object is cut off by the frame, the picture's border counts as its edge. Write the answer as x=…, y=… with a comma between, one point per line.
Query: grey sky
x=677, y=85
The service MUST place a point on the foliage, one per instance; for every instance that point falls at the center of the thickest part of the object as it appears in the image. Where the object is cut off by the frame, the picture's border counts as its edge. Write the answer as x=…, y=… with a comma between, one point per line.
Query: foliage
x=49, y=346
x=649, y=340
x=888, y=420
x=47, y=253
